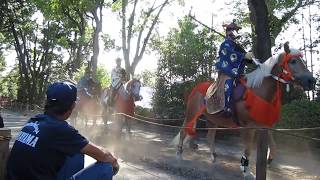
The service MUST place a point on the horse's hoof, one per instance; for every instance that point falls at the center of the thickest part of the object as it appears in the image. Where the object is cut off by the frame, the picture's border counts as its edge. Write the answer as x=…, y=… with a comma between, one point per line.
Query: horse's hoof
x=249, y=176
x=269, y=161
x=194, y=146
x=179, y=153
x=179, y=156
x=213, y=157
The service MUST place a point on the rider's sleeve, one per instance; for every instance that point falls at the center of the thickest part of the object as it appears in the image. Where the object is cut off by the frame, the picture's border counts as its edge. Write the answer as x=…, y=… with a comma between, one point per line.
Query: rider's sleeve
x=229, y=59
x=115, y=78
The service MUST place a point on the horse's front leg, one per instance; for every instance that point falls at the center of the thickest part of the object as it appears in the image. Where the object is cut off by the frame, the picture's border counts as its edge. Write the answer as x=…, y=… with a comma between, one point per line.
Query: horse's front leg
x=247, y=138
x=128, y=125
x=192, y=111
x=180, y=145
x=271, y=147
x=211, y=136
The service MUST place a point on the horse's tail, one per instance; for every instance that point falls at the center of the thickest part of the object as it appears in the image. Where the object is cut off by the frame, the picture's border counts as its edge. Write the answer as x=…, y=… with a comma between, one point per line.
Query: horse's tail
x=200, y=88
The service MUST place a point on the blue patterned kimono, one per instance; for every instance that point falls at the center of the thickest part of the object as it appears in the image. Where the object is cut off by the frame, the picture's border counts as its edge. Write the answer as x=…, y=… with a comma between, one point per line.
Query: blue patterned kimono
x=231, y=63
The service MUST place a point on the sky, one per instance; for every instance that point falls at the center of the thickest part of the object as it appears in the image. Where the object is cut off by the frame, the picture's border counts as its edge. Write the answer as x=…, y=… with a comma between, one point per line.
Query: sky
x=211, y=12
x=168, y=19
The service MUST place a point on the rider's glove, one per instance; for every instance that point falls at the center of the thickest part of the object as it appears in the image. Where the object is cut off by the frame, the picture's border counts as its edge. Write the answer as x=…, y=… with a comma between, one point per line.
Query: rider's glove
x=248, y=55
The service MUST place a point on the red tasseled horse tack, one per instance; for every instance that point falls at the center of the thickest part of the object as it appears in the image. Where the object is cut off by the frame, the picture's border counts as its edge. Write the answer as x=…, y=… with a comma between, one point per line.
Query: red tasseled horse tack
x=189, y=129
x=261, y=111
x=202, y=89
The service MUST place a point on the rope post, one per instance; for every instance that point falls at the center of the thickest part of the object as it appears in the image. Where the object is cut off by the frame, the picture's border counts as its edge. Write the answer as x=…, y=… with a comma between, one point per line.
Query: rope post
x=262, y=150
x=5, y=136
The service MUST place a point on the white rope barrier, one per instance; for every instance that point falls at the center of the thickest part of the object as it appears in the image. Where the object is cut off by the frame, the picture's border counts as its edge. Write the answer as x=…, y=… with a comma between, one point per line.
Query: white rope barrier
x=283, y=131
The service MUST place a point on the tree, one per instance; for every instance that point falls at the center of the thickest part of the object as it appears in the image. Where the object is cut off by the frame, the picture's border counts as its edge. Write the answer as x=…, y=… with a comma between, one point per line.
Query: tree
x=148, y=78
x=79, y=39
x=35, y=44
x=102, y=76
x=268, y=19
x=137, y=25
x=261, y=30
x=187, y=56
x=95, y=8
x=318, y=87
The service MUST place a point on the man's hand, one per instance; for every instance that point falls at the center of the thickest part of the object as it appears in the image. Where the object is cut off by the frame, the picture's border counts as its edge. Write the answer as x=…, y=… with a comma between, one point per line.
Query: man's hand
x=98, y=153
x=114, y=162
x=101, y=155
x=110, y=158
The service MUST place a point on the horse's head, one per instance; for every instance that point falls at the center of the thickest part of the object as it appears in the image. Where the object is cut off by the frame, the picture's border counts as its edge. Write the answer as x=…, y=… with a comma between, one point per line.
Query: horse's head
x=291, y=68
x=133, y=87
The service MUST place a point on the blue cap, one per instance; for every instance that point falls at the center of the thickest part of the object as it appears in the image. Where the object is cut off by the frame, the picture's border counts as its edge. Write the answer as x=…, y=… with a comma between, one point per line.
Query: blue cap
x=63, y=93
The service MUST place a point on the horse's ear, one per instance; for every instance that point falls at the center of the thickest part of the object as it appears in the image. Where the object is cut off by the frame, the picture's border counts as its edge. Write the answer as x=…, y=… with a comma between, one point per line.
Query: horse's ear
x=286, y=47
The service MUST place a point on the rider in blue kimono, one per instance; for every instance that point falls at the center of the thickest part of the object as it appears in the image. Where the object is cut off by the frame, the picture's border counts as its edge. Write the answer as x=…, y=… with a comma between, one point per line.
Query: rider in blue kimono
x=231, y=62
x=87, y=85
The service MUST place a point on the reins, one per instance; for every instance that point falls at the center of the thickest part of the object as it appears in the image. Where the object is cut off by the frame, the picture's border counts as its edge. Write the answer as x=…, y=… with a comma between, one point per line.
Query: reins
x=286, y=75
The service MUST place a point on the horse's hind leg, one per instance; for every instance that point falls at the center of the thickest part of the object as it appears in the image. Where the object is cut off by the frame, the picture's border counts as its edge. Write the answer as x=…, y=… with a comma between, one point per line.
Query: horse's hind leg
x=180, y=145
x=192, y=111
x=247, y=137
x=192, y=144
x=211, y=136
x=128, y=125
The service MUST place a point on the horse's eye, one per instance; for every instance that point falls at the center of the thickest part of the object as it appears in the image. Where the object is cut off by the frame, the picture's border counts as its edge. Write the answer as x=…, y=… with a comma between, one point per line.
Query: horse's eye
x=294, y=61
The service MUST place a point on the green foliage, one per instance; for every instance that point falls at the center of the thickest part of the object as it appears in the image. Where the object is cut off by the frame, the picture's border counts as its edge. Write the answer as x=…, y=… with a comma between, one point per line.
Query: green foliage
x=293, y=94
x=109, y=43
x=102, y=76
x=187, y=55
x=2, y=62
x=318, y=87
x=144, y=111
x=147, y=77
x=299, y=114
x=9, y=84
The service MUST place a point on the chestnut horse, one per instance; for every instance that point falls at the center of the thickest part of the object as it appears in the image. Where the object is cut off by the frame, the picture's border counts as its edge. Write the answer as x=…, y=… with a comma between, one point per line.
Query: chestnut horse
x=88, y=105
x=266, y=83
x=124, y=103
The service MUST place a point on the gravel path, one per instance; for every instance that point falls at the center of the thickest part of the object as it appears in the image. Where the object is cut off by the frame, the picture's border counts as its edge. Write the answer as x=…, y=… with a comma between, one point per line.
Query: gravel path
x=147, y=154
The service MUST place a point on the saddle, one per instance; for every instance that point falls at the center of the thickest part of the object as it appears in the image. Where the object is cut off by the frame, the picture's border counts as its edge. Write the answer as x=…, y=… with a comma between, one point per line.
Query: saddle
x=215, y=96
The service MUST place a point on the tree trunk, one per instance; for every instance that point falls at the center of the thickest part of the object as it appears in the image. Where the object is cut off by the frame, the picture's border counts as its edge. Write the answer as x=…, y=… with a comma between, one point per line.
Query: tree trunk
x=261, y=30
x=97, y=31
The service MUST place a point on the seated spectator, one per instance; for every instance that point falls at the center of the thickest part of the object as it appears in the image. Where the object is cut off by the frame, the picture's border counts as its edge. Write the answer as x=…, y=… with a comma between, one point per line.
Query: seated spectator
x=49, y=148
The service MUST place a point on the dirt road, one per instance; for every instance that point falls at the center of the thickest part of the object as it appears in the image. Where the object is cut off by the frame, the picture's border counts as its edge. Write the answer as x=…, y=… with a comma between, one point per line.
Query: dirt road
x=147, y=154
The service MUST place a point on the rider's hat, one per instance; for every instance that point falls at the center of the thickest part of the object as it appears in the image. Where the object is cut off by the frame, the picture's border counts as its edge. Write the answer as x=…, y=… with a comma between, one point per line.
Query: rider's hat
x=118, y=59
x=62, y=93
x=232, y=26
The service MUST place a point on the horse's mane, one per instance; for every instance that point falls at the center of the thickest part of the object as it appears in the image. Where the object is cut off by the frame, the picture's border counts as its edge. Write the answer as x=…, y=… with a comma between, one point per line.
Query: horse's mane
x=129, y=83
x=255, y=78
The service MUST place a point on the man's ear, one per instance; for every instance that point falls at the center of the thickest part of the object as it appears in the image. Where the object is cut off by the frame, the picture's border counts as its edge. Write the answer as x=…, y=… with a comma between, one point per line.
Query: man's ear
x=286, y=47
x=74, y=105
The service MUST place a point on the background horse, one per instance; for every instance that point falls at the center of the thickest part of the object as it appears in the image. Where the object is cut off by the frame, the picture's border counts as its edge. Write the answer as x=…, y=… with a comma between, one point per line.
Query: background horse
x=88, y=105
x=266, y=83
x=123, y=103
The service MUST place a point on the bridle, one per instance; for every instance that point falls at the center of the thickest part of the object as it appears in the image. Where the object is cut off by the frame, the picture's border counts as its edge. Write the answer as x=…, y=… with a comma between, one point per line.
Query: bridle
x=286, y=75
